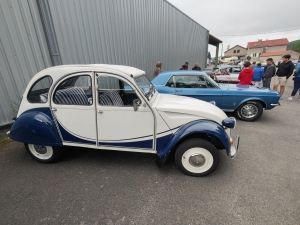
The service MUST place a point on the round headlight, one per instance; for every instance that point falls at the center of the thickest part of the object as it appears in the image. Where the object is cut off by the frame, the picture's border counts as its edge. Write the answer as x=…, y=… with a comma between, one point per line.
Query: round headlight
x=229, y=122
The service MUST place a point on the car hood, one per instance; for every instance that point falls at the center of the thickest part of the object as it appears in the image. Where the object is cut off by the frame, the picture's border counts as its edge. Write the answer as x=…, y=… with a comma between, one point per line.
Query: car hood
x=245, y=88
x=178, y=110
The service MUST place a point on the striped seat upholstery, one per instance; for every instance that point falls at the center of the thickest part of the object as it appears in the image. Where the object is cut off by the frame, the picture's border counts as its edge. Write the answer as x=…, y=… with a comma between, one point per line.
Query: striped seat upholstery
x=71, y=96
x=111, y=98
x=44, y=97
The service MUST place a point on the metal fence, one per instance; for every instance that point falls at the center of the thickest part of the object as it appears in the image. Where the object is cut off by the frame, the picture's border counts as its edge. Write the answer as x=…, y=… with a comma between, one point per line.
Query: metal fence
x=36, y=34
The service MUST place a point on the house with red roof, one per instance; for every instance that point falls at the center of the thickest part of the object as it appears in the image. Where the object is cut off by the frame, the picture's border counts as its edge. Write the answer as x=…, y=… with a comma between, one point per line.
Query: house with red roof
x=257, y=48
x=276, y=56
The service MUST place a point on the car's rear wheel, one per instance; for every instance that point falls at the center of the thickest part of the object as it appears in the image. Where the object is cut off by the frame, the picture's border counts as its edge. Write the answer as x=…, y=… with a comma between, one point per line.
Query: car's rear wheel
x=197, y=157
x=44, y=154
x=249, y=111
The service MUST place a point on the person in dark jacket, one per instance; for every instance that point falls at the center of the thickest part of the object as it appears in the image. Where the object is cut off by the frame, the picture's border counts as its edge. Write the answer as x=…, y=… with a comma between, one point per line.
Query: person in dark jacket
x=269, y=73
x=285, y=70
x=258, y=74
x=185, y=66
x=296, y=84
x=253, y=65
x=245, y=76
x=196, y=67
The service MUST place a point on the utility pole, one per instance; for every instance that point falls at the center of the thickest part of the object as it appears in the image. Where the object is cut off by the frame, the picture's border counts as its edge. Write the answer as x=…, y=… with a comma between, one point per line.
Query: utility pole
x=222, y=51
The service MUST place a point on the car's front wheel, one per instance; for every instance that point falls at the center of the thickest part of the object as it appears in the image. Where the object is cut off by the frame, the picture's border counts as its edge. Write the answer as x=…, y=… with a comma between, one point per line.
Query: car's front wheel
x=197, y=157
x=249, y=111
x=44, y=154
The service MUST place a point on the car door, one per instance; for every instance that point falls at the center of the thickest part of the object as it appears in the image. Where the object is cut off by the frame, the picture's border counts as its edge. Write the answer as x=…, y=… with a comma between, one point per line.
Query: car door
x=197, y=86
x=223, y=75
x=118, y=124
x=73, y=108
x=234, y=74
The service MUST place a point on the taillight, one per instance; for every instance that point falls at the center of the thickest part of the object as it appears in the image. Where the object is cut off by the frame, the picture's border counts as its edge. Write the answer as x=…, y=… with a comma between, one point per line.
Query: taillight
x=218, y=74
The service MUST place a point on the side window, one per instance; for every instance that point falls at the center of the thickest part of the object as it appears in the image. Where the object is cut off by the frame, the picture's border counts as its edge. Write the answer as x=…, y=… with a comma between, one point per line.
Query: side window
x=190, y=82
x=113, y=91
x=75, y=90
x=170, y=82
x=39, y=91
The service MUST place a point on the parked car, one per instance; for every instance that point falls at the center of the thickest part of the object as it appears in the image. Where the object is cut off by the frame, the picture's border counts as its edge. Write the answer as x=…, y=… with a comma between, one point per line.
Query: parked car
x=210, y=73
x=114, y=107
x=246, y=101
x=228, y=73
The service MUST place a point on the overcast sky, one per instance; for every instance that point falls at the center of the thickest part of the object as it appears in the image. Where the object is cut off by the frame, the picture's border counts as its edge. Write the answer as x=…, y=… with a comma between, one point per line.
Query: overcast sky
x=232, y=17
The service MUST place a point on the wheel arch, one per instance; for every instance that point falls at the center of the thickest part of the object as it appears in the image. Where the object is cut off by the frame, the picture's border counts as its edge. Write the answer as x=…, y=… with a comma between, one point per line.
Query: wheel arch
x=205, y=129
x=36, y=126
x=264, y=104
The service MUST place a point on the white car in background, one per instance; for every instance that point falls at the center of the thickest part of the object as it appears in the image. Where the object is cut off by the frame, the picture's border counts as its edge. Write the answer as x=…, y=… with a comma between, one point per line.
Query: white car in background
x=227, y=73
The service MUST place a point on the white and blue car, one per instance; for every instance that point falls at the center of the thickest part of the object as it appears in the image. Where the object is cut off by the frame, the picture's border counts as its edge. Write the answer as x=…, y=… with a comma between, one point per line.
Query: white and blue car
x=112, y=107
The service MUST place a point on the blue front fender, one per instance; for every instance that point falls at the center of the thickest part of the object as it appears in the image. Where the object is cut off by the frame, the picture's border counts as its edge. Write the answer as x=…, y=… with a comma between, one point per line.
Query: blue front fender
x=197, y=127
x=36, y=126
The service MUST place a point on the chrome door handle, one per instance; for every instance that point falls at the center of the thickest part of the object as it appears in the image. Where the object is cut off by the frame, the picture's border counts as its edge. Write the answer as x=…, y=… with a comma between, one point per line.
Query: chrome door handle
x=100, y=111
x=178, y=90
x=53, y=109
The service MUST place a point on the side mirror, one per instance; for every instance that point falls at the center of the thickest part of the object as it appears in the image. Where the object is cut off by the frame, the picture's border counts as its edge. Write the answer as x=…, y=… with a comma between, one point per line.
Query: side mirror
x=172, y=85
x=136, y=104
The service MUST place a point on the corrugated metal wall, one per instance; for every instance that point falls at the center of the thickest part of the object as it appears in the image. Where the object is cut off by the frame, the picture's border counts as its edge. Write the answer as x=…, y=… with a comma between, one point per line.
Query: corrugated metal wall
x=23, y=51
x=127, y=32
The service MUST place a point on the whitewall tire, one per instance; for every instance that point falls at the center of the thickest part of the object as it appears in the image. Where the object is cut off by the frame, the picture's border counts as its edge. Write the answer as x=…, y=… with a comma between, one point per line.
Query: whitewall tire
x=197, y=157
x=45, y=154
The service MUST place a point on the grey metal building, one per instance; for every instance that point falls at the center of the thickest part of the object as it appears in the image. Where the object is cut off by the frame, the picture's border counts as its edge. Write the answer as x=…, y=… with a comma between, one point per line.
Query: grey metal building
x=36, y=34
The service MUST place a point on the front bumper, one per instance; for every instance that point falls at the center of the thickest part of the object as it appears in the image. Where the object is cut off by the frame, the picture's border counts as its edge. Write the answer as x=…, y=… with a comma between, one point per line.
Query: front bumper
x=234, y=146
x=278, y=104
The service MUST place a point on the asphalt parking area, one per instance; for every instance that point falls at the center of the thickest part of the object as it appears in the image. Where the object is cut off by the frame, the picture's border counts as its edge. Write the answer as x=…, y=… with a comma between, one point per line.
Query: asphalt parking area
x=260, y=186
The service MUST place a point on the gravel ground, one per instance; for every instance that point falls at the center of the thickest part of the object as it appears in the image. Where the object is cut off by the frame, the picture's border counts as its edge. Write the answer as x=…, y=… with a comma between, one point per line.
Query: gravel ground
x=260, y=186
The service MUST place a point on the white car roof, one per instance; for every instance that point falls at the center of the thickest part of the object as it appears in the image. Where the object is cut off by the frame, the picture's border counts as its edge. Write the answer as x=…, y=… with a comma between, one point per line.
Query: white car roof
x=65, y=69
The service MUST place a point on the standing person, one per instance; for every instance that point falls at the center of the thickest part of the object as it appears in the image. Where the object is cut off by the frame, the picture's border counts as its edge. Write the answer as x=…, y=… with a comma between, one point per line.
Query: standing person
x=185, y=66
x=253, y=65
x=298, y=64
x=269, y=73
x=196, y=67
x=246, y=74
x=258, y=74
x=158, y=69
x=296, y=84
x=285, y=70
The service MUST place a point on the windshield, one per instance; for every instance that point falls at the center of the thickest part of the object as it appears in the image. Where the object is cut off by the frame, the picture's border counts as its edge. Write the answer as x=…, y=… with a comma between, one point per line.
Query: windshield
x=145, y=86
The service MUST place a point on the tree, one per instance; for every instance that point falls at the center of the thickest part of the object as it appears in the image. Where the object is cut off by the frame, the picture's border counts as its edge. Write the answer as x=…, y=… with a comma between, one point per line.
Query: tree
x=295, y=46
x=209, y=56
x=248, y=57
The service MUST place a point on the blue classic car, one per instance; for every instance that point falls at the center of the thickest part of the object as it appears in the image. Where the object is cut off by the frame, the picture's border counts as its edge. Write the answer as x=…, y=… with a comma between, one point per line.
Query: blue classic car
x=246, y=101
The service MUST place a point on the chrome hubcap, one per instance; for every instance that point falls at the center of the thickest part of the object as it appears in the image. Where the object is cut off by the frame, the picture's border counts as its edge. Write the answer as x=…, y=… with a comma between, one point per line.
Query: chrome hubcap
x=197, y=160
x=249, y=111
x=40, y=149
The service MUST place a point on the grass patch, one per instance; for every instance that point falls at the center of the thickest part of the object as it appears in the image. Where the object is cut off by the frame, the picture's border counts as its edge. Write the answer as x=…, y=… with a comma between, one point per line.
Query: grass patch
x=4, y=141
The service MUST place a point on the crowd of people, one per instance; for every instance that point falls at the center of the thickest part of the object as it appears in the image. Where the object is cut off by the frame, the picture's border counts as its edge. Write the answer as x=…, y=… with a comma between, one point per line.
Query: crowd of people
x=158, y=68
x=254, y=74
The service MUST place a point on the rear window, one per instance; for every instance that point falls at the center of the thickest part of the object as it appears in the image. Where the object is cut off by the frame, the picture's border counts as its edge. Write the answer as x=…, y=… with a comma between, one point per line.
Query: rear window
x=39, y=91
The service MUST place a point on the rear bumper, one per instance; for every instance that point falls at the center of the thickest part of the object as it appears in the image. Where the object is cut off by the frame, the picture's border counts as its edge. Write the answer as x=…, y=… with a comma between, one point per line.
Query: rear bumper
x=234, y=146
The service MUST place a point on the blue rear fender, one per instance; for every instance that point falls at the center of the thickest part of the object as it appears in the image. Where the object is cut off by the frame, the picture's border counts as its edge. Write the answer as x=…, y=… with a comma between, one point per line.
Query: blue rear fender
x=36, y=126
x=200, y=128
